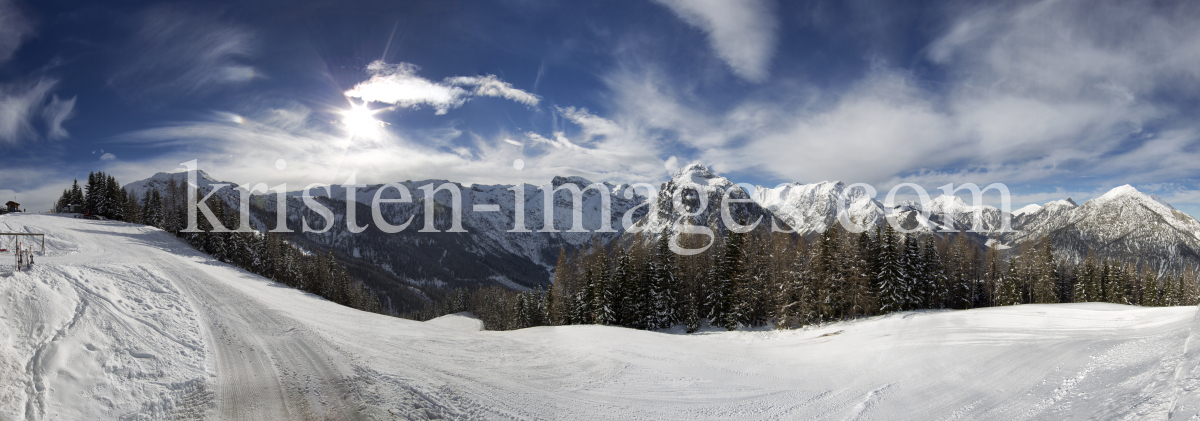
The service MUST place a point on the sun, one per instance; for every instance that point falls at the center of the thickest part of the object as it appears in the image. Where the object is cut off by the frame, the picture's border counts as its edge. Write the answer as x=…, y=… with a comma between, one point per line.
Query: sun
x=360, y=122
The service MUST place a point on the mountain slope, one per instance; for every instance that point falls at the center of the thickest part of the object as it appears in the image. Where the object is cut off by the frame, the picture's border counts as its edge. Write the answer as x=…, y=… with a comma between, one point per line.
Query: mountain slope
x=812, y=208
x=121, y=321
x=1127, y=224
x=693, y=198
x=410, y=267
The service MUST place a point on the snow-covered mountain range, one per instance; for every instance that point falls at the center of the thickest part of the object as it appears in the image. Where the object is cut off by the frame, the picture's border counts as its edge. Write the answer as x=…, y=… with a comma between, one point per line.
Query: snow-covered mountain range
x=1124, y=223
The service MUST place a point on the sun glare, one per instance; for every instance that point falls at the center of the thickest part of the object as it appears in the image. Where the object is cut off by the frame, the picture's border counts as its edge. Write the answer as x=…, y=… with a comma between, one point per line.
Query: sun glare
x=360, y=122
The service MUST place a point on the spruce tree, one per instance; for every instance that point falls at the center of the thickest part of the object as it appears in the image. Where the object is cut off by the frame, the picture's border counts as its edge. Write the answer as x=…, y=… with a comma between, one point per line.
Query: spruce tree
x=76, y=194
x=1080, y=294
x=1009, y=286
x=663, y=293
x=602, y=293
x=91, y=195
x=892, y=294
x=1046, y=272
x=721, y=296
x=961, y=289
x=691, y=314
x=827, y=269
x=935, y=276
x=913, y=275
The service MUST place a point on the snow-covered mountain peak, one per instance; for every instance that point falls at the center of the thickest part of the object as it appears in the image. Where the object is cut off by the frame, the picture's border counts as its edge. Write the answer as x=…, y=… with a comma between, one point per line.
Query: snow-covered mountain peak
x=1127, y=195
x=573, y=179
x=948, y=203
x=162, y=179
x=694, y=167
x=1030, y=208
x=698, y=174
x=1120, y=192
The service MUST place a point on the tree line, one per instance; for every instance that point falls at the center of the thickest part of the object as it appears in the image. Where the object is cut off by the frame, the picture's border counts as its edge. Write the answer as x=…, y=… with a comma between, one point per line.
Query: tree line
x=760, y=278
x=267, y=254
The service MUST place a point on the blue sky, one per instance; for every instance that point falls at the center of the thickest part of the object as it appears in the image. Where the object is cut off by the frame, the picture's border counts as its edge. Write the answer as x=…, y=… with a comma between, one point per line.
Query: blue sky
x=1053, y=98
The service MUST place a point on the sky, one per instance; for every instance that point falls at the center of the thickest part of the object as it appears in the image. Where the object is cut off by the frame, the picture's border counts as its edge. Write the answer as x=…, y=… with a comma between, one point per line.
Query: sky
x=1053, y=98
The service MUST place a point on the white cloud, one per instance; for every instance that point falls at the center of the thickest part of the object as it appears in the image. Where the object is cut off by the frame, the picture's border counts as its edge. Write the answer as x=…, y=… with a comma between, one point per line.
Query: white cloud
x=14, y=28
x=490, y=85
x=245, y=149
x=21, y=106
x=1035, y=93
x=398, y=84
x=55, y=113
x=108, y=157
x=742, y=32
x=180, y=52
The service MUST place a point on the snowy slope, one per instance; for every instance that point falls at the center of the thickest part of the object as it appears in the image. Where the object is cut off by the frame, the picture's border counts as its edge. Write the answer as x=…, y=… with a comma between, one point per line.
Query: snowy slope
x=1030, y=208
x=121, y=321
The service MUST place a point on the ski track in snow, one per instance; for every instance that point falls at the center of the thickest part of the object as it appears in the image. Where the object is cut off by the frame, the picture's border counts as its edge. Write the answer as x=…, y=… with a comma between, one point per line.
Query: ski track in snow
x=122, y=321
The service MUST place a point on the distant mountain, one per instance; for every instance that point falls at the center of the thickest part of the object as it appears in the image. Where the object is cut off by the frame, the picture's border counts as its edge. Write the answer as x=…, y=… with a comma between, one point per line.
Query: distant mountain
x=699, y=194
x=812, y=208
x=161, y=180
x=1123, y=223
x=409, y=267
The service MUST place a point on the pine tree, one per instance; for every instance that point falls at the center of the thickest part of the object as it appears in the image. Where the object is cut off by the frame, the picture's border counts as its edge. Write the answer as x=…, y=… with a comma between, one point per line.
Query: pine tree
x=912, y=274
x=558, y=289
x=1151, y=295
x=721, y=298
x=132, y=211
x=115, y=199
x=1008, y=287
x=1046, y=273
x=892, y=293
x=827, y=269
x=662, y=294
x=1080, y=294
x=935, y=275
x=691, y=315
x=961, y=289
x=635, y=292
x=602, y=293
x=76, y=194
x=91, y=195
x=859, y=290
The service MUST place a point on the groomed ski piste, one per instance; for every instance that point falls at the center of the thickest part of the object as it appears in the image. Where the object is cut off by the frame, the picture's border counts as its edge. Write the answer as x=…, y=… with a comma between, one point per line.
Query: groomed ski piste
x=123, y=321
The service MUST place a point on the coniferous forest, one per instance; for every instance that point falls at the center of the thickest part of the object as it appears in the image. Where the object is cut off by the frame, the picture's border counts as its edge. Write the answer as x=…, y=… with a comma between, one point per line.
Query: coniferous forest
x=267, y=254
x=758, y=278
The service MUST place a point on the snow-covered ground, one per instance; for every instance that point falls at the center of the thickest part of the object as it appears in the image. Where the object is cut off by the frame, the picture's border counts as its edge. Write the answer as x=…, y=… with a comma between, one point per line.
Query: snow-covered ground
x=122, y=321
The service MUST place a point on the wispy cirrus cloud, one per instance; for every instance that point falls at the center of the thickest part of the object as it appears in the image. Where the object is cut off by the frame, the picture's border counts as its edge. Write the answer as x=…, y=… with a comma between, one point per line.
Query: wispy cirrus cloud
x=55, y=113
x=741, y=32
x=398, y=84
x=22, y=107
x=179, y=52
x=14, y=28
